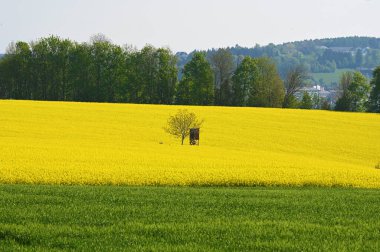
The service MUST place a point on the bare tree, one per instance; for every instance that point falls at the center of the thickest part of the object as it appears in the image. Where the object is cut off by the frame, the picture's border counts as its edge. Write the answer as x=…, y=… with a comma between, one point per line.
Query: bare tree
x=179, y=124
x=99, y=37
x=294, y=81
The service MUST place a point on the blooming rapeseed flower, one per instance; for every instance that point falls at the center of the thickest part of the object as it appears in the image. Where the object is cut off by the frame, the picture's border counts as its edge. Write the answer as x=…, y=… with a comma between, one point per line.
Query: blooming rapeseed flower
x=92, y=143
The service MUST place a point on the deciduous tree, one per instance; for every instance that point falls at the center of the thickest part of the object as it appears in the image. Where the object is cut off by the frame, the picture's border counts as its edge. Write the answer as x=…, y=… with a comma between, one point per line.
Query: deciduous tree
x=354, y=92
x=243, y=81
x=306, y=102
x=222, y=62
x=197, y=84
x=374, y=99
x=179, y=124
x=268, y=88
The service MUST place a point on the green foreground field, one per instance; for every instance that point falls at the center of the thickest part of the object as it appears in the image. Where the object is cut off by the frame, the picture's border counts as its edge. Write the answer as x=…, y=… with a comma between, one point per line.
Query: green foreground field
x=105, y=218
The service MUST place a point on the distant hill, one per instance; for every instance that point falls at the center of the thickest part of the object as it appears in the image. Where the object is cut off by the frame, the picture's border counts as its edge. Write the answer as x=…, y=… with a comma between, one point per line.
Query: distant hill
x=1, y=55
x=324, y=56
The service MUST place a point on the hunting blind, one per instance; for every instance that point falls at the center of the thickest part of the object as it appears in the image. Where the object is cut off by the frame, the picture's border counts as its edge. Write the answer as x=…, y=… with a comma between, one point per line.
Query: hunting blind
x=194, y=136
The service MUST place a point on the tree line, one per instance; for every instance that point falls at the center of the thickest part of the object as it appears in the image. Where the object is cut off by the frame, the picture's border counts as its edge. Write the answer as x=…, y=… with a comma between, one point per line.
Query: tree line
x=63, y=70
x=59, y=69
x=317, y=56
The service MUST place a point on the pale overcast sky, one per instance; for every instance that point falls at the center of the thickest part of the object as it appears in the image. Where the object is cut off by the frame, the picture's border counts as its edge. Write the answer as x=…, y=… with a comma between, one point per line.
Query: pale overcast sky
x=184, y=25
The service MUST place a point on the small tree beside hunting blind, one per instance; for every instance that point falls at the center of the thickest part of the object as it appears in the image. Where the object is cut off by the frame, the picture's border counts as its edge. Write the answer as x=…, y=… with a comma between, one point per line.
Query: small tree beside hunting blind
x=179, y=125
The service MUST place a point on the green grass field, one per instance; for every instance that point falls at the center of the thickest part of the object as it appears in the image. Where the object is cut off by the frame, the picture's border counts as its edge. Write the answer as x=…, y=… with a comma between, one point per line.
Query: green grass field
x=105, y=218
x=329, y=78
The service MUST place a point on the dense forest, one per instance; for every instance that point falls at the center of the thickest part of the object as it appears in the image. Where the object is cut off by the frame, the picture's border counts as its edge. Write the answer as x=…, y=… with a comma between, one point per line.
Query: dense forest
x=59, y=69
x=317, y=56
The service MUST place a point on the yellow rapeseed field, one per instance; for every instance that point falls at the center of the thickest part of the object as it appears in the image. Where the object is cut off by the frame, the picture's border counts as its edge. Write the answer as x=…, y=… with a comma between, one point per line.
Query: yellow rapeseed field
x=125, y=144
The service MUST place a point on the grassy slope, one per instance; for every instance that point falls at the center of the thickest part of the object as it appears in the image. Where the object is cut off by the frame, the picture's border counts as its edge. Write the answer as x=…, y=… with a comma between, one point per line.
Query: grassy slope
x=330, y=78
x=89, y=143
x=179, y=218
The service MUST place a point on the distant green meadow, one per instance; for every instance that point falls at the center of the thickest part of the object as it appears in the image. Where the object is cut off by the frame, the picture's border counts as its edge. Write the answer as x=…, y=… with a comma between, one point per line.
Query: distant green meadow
x=330, y=78
x=106, y=218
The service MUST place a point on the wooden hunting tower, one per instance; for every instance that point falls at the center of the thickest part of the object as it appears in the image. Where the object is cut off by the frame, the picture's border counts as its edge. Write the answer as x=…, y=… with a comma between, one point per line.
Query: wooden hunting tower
x=194, y=136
